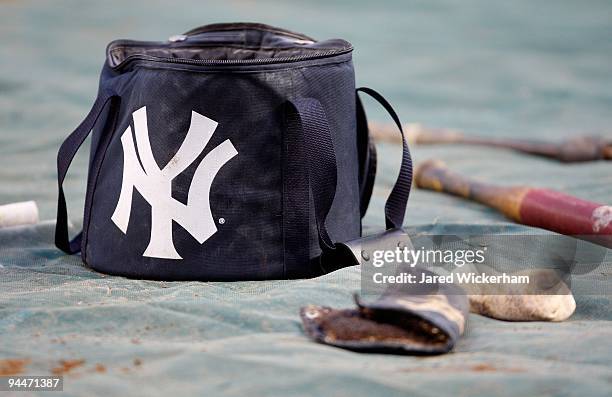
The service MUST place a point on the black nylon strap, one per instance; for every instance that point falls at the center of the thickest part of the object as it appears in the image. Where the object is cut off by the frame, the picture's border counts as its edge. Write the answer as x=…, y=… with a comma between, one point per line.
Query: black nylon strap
x=306, y=118
x=367, y=158
x=64, y=157
x=367, y=188
x=395, y=208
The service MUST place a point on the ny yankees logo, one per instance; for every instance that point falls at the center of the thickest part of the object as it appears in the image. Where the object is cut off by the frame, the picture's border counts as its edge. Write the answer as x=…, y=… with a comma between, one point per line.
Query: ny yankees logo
x=155, y=184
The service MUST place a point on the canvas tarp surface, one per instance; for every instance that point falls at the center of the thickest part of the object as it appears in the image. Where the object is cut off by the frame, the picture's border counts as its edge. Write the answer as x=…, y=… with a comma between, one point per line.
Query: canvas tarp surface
x=509, y=69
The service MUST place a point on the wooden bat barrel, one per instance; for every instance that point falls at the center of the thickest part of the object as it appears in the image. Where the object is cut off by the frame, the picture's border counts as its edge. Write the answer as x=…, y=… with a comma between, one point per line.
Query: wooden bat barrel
x=576, y=149
x=543, y=208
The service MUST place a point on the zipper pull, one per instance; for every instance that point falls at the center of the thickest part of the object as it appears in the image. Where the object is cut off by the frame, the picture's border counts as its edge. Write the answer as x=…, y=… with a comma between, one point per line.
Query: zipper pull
x=303, y=42
x=177, y=38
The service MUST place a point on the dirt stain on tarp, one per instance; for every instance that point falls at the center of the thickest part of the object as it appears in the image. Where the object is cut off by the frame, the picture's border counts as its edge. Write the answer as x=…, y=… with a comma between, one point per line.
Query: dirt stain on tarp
x=482, y=367
x=13, y=366
x=69, y=367
x=65, y=367
x=137, y=362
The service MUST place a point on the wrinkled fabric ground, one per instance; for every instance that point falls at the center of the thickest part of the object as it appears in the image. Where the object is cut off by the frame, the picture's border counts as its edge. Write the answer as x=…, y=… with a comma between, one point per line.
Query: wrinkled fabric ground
x=511, y=69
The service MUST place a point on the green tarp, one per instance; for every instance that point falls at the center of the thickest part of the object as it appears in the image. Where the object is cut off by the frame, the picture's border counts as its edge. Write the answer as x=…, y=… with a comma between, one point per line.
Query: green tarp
x=515, y=68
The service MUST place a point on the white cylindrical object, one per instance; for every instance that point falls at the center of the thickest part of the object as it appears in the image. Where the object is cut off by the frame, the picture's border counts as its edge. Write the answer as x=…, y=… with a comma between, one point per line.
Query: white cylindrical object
x=15, y=214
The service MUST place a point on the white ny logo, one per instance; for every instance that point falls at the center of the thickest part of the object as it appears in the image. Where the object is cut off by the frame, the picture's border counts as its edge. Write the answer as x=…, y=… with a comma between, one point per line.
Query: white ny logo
x=155, y=184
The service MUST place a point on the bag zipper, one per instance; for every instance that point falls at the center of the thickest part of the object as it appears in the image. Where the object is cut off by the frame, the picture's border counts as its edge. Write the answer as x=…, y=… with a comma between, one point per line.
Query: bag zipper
x=217, y=62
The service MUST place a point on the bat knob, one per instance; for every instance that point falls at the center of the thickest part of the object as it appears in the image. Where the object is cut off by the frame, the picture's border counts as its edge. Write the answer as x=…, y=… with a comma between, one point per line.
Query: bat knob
x=607, y=151
x=427, y=174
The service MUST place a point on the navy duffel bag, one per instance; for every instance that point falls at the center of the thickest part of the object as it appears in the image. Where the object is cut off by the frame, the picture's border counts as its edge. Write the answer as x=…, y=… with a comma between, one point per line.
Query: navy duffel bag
x=233, y=152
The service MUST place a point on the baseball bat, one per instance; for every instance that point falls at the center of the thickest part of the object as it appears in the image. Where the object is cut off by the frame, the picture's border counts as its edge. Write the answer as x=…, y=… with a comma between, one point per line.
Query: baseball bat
x=577, y=149
x=543, y=208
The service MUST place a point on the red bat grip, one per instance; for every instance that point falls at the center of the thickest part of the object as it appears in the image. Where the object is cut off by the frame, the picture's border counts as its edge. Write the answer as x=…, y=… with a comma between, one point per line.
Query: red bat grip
x=565, y=214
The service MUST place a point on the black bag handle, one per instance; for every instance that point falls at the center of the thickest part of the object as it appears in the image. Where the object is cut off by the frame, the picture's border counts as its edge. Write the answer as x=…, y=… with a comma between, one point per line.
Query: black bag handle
x=306, y=118
x=64, y=158
x=395, y=207
x=366, y=150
